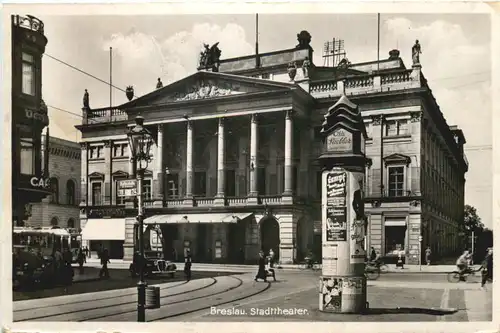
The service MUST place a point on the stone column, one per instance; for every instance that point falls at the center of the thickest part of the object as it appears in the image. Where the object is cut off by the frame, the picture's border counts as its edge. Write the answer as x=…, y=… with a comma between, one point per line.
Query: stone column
x=288, y=188
x=188, y=200
x=158, y=169
x=254, y=132
x=221, y=181
x=84, y=169
x=107, y=174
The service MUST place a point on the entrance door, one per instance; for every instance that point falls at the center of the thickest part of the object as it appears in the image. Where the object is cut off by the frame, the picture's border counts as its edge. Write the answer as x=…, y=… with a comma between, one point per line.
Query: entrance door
x=236, y=243
x=201, y=243
x=270, y=236
x=169, y=234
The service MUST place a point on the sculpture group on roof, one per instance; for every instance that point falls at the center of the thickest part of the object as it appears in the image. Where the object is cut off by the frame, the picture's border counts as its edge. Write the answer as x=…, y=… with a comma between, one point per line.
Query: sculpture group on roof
x=210, y=57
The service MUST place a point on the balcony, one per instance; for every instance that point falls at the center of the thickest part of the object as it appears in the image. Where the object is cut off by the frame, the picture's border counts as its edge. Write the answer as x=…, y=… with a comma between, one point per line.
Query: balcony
x=104, y=115
x=364, y=84
x=385, y=196
x=269, y=200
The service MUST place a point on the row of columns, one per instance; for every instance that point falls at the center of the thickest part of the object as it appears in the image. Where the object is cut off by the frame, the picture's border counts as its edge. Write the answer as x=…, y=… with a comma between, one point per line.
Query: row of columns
x=254, y=139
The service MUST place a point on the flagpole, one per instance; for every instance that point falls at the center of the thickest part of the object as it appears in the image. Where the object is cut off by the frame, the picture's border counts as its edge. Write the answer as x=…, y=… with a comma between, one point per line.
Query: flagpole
x=110, y=77
x=378, y=42
x=257, y=59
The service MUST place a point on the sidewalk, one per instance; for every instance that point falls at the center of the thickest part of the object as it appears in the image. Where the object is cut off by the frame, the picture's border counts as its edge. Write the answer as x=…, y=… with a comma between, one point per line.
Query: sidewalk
x=122, y=264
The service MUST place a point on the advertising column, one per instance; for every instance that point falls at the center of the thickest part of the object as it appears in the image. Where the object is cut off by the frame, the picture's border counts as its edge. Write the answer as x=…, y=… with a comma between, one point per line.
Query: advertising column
x=342, y=284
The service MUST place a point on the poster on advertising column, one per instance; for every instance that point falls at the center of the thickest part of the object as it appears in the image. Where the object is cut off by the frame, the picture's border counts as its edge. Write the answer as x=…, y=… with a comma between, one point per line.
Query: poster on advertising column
x=336, y=226
x=336, y=210
x=357, y=219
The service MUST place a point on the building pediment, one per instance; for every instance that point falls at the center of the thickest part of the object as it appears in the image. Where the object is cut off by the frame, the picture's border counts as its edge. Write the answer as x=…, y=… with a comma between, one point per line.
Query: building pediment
x=120, y=173
x=96, y=175
x=207, y=85
x=397, y=159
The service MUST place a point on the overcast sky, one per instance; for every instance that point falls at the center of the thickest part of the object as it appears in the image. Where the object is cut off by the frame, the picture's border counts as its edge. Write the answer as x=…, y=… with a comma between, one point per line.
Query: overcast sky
x=456, y=61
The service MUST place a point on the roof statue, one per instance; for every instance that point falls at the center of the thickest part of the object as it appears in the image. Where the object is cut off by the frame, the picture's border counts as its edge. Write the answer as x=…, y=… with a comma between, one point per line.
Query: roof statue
x=86, y=99
x=416, y=50
x=159, y=84
x=304, y=39
x=210, y=57
x=305, y=67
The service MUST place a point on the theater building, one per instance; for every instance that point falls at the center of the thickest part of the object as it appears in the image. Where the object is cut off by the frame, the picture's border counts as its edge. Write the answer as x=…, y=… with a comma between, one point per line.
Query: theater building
x=235, y=166
x=61, y=207
x=29, y=117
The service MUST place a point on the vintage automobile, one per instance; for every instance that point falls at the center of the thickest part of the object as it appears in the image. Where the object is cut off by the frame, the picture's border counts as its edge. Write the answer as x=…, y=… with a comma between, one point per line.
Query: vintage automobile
x=32, y=270
x=154, y=264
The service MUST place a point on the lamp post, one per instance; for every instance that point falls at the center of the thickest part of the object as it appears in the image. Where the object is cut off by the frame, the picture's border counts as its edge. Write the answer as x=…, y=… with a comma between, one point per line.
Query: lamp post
x=140, y=140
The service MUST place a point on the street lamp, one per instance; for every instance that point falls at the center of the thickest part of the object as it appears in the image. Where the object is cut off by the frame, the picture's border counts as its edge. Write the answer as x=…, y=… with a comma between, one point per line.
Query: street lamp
x=140, y=140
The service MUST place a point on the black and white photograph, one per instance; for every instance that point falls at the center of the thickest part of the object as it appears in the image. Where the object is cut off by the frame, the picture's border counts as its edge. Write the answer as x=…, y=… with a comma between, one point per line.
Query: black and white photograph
x=175, y=166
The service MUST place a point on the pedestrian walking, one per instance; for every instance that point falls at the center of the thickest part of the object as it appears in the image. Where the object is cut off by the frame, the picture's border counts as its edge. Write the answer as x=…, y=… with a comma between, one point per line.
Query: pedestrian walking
x=261, y=273
x=187, y=265
x=81, y=260
x=487, y=273
x=104, y=256
x=373, y=255
x=428, y=253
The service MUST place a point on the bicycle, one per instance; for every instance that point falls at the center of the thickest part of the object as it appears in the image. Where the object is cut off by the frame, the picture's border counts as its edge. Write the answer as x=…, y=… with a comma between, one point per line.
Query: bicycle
x=456, y=276
x=372, y=273
x=309, y=264
x=379, y=265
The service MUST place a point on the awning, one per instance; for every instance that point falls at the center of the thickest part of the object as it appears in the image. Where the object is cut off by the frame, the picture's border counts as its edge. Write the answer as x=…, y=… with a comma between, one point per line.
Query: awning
x=197, y=218
x=104, y=229
x=400, y=223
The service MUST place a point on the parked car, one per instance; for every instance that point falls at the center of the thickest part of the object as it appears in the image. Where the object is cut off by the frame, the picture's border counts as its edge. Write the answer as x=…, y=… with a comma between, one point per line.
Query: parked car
x=31, y=270
x=154, y=264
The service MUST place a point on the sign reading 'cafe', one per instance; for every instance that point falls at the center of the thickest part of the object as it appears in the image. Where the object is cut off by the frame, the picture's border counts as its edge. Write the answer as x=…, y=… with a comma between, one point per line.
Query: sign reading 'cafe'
x=40, y=182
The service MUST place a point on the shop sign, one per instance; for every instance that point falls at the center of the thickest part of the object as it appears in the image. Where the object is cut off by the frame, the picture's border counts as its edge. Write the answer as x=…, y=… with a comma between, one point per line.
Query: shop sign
x=340, y=140
x=106, y=212
x=30, y=114
x=40, y=182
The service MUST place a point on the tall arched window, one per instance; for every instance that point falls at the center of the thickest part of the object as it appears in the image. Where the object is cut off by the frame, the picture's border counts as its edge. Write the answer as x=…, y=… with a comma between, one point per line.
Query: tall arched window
x=54, y=222
x=70, y=192
x=54, y=185
x=71, y=223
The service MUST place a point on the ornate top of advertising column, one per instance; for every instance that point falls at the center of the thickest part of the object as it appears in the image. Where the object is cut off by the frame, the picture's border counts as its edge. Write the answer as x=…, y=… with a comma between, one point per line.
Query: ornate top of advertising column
x=344, y=135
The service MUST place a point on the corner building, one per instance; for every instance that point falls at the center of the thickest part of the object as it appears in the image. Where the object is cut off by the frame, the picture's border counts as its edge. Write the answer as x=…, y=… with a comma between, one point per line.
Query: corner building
x=235, y=165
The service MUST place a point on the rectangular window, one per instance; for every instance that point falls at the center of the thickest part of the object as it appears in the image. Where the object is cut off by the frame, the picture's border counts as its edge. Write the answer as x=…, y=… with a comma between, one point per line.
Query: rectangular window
x=96, y=193
x=173, y=185
x=120, y=150
x=28, y=67
x=27, y=163
x=147, y=193
x=261, y=181
x=200, y=183
x=230, y=183
x=396, y=181
x=99, y=152
x=396, y=127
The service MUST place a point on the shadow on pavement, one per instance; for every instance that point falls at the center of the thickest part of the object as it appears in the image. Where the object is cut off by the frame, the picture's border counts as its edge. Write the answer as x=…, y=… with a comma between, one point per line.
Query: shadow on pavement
x=119, y=279
x=428, y=311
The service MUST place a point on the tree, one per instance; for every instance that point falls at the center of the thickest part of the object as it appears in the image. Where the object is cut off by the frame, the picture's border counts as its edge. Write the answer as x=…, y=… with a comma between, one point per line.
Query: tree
x=472, y=221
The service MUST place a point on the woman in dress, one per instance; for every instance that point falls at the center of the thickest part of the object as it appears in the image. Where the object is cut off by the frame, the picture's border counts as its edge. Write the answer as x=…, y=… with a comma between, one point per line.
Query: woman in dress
x=261, y=273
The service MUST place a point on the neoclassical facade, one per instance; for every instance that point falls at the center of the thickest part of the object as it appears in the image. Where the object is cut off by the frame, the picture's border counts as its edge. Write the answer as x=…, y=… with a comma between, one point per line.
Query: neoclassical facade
x=234, y=166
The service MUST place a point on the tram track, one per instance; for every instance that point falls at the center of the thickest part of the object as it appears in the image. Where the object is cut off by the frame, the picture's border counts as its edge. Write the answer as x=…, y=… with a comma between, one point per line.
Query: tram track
x=240, y=283
x=99, y=299
x=211, y=305
x=213, y=282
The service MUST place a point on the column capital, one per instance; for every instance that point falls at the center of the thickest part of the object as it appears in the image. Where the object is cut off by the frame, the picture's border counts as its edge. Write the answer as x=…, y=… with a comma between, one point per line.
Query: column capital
x=189, y=124
x=84, y=145
x=160, y=128
x=289, y=114
x=221, y=121
x=108, y=143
